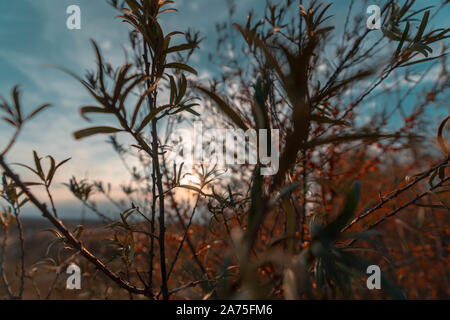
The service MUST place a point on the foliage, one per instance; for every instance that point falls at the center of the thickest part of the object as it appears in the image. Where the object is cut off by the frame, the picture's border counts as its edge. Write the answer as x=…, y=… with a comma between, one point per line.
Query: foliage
x=240, y=234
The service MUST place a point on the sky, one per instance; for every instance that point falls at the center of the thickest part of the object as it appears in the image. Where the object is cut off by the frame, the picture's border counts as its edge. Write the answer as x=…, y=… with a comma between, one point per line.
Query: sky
x=33, y=35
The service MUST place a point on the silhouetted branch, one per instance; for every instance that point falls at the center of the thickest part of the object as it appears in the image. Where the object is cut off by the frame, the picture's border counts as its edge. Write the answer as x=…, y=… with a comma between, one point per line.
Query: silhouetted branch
x=396, y=193
x=76, y=244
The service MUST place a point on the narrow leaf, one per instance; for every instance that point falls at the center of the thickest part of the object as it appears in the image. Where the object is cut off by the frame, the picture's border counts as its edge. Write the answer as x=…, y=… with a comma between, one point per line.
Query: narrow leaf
x=81, y=134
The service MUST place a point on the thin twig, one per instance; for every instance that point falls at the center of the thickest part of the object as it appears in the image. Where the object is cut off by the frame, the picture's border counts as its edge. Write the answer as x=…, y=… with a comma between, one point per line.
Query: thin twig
x=186, y=232
x=151, y=99
x=22, y=251
x=51, y=200
x=190, y=285
x=2, y=265
x=393, y=213
x=11, y=142
x=70, y=238
x=419, y=178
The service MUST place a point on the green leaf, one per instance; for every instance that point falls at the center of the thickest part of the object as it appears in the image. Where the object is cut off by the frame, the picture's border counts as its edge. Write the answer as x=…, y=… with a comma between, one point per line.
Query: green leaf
x=78, y=232
x=51, y=171
x=189, y=109
x=182, y=89
x=133, y=5
x=81, y=134
x=99, y=99
x=432, y=177
x=9, y=121
x=31, y=184
x=441, y=173
x=182, y=47
x=286, y=191
x=423, y=49
x=347, y=213
x=417, y=12
x=141, y=100
x=391, y=35
x=37, y=162
x=38, y=110
x=121, y=80
x=440, y=137
x=402, y=41
x=27, y=167
x=420, y=61
x=54, y=168
x=24, y=202
x=99, y=66
x=91, y=109
x=181, y=66
x=173, y=89
x=422, y=26
x=16, y=101
x=152, y=116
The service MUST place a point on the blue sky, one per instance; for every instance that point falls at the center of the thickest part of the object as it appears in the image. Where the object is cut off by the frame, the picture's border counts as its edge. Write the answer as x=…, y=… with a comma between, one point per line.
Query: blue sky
x=33, y=33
